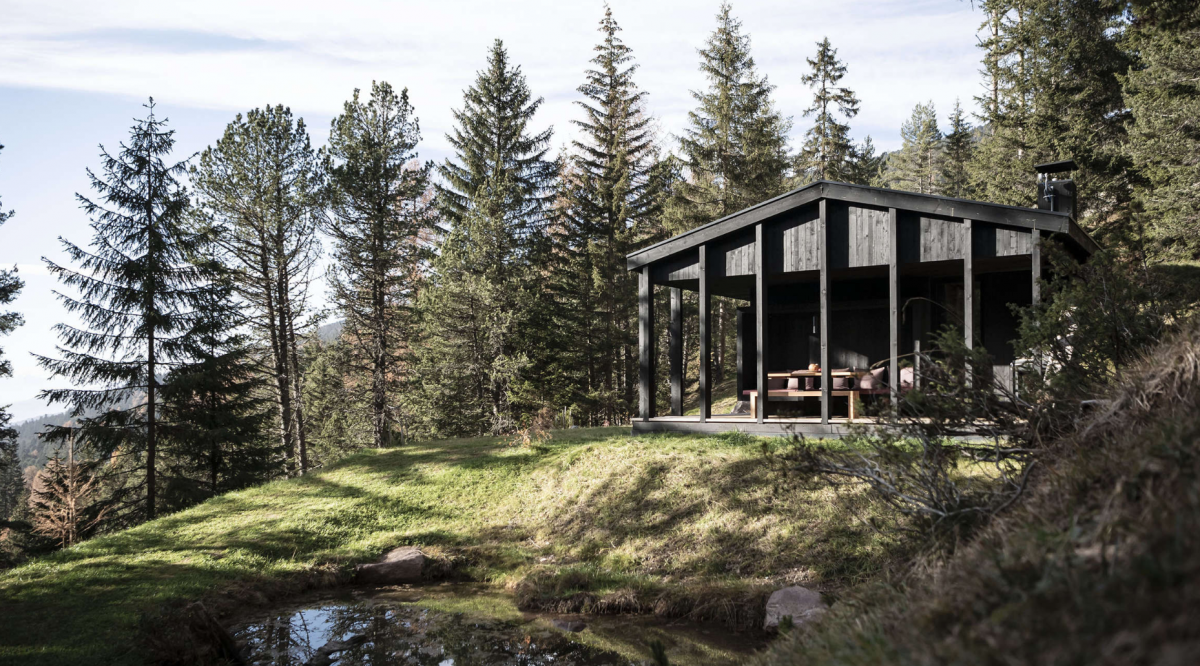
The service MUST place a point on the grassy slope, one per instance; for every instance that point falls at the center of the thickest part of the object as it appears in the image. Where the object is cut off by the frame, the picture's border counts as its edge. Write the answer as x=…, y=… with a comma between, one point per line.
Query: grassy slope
x=1098, y=565
x=595, y=511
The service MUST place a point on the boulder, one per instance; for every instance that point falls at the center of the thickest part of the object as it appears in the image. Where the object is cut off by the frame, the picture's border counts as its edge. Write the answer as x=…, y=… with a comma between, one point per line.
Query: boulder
x=800, y=603
x=400, y=565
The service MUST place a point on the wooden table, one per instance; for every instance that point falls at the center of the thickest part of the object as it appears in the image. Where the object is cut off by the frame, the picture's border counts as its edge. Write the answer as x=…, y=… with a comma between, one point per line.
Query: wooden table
x=853, y=394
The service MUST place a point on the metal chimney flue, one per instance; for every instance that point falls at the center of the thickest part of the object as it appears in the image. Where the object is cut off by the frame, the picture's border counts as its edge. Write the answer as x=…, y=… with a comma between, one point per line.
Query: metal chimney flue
x=1056, y=194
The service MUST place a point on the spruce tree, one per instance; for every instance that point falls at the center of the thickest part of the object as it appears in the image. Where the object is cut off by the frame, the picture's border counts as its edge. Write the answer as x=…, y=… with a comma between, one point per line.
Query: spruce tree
x=381, y=228
x=959, y=148
x=214, y=409
x=866, y=167
x=611, y=193
x=261, y=184
x=137, y=301
x=827, y=153
x=12, y=484
x=917, y=166
x=1163, y=93
x=734, y=148
x=1054, y=92
x=492, y=143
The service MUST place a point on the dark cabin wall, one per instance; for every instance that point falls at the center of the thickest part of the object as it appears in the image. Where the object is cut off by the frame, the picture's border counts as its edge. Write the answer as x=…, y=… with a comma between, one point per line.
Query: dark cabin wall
x=999, y=324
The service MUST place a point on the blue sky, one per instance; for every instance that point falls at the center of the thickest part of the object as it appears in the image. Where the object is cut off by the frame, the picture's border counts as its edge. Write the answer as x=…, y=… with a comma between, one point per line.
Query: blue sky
x=73, y=74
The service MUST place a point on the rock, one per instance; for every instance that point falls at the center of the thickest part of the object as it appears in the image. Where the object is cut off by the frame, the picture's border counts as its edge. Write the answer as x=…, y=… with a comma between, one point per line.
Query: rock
x=401, y=565
x=323, y=656
x=800, y=603
x=573, y=626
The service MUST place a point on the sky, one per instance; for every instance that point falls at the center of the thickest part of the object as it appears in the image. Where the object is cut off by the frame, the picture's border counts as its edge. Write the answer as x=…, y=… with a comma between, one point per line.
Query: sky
x=74, y=74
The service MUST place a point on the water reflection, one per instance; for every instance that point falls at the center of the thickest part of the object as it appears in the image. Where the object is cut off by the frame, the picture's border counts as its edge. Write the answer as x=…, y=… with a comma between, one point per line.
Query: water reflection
x=380, y=633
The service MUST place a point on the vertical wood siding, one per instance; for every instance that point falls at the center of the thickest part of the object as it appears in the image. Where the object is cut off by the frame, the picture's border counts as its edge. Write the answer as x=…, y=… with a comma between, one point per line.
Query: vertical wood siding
x=735, y=257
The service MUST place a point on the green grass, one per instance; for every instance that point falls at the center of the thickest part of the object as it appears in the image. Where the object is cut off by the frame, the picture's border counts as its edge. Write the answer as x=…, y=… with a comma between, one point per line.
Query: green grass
x=594, y=510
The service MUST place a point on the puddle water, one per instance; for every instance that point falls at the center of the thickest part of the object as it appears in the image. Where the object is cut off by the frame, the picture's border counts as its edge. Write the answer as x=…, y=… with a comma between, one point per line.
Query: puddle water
x=456, y=625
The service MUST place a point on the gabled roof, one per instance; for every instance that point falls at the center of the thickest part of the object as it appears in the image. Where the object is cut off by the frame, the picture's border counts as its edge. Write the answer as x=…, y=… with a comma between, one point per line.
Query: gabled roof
x=1012, y=216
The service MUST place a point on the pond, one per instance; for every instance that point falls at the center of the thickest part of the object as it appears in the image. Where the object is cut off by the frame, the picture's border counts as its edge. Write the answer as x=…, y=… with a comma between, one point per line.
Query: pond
x=467, y=625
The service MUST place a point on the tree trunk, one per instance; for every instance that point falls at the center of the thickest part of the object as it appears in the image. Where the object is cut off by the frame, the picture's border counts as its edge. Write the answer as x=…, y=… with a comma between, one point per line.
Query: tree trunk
x=151, y=429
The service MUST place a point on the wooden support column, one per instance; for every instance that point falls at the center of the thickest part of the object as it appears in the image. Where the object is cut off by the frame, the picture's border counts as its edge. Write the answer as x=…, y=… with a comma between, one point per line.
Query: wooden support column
x=968, y=285
x=823, y=254
x=894, y=305
x=1036, y=249
x=675, y=351
x=760, y=318
x=645, y=345
x=705, y=339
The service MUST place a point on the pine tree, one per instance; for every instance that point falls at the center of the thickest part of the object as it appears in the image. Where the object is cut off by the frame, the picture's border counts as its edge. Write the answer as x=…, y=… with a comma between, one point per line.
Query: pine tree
x=959, y=148
x=1164, y=98
x=214, y=409
x=137, y=300
x=260, y=184
x=735, y=146
x=381, y=226
x=827, y=151
x=337, y=402
x=611, y=194
x=11, y=482
x=917, y=166
x=492, y=144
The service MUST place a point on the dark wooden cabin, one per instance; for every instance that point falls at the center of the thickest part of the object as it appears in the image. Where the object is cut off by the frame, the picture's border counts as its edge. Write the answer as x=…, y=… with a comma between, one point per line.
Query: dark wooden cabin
x=844, y=276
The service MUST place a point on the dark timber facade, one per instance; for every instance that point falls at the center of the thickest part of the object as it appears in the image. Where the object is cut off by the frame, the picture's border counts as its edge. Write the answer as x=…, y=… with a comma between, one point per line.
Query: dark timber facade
x=843, y=276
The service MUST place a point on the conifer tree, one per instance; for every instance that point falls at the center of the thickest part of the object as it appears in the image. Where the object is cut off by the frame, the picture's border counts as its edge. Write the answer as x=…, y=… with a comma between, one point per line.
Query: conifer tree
x=827, y=152
x=917, y=166
x=1054, y=92
x=866, y=167
x=382, y=225
x=492, y=143
x=611, y=202
x=1164, y=97
x=260, y=184
x=12, y=484
x=137, y=301
x=214, y=412
x=734, y=148
x=959, y=147
x=63, y=499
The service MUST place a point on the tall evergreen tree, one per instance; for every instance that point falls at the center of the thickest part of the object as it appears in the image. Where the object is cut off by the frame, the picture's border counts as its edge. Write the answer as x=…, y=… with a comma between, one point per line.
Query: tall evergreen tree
x=495, y=198
x=611, y=205
x=1163, y=93
x=827, y=152
x=492, y=143
x=382, y=226
x=137, y=300
x=214, y=409
x=917, y=166
x=734, y=148
x=959, y=148
x=1054, y=92
x=865, y=166
x=260, y=184
x=12, y=484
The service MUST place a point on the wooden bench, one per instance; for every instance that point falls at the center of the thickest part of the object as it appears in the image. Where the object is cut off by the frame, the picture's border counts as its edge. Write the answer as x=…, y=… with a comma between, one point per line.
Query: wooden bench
x=853, y=394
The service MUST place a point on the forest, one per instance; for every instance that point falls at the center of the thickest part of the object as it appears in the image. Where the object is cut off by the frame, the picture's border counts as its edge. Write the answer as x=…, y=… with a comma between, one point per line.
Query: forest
x=487, y=294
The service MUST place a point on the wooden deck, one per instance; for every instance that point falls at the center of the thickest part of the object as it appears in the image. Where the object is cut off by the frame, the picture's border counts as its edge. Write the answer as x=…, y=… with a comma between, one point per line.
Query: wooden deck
x=774, y=425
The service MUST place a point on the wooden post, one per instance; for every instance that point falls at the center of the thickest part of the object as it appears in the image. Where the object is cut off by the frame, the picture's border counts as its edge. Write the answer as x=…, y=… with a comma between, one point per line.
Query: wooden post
x=675, y=351
x=705, y=339
x=645, y=345
x=894, y=304
x=968, y=285
x=760, y=319
x=1036, y=251
x=823, y=254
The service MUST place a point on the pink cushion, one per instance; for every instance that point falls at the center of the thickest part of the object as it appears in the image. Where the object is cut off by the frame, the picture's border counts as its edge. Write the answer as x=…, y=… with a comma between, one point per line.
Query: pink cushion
x=793, y=384
x=872, y=380
x=906, y=377
x=843, y=383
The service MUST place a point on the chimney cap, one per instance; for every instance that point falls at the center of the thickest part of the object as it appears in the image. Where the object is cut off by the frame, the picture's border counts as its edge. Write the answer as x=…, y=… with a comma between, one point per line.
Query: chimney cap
x=1060, y=166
